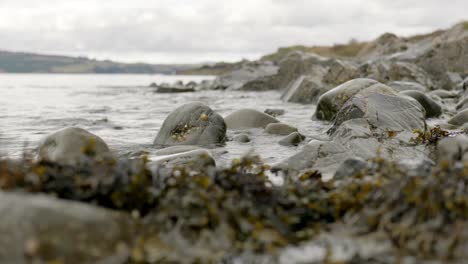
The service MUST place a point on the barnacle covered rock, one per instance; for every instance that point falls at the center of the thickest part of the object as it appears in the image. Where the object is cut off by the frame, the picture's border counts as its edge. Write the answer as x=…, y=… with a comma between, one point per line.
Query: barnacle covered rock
x=192, y=124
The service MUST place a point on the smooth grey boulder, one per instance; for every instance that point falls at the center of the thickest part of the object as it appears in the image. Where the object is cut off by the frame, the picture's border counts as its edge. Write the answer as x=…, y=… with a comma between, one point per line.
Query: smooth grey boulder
x=279, y=129
x=460, y=118
x=350, y=167
x=453, y=149
x=192, y=124
x=304, y=90
x=43, y=229
x=400, y=86
x=71, y=146
x=331, y=102
x=274, y=112
x=242, y=138
x=383, y=112
x=198, y=159
x=248, y=118
x=432, y=108
x=292, y=139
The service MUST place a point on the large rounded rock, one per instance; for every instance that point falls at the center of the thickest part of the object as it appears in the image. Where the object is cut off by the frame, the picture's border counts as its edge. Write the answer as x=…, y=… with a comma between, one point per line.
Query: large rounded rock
x=279, y=129
x=192, y=124
x=460, y=118
x=384, y=112
x=42, y=229
x=432, y=108
x=71, y=146
x=248, y=118
x=331, y=102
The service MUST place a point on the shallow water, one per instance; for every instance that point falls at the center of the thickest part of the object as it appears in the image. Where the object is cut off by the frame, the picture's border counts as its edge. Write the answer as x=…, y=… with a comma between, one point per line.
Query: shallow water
x=127, y=114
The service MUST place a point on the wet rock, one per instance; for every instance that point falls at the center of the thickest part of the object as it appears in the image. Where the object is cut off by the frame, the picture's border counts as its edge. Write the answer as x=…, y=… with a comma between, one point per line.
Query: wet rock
x=71, y=146
x=42, y=229
x=355, y=138
x=460, y=118
x=248, y=118
x=453, y=149
x=384, y=112
x=400, y=86
x=305, y=90
x=432, y=108
x=292, y=139
x=279, y=129
x=274, y=112
x=350, y=167
x=199, y=159
x=444, y=94
x=331, y=102
x=192, y=124
x=242, y=138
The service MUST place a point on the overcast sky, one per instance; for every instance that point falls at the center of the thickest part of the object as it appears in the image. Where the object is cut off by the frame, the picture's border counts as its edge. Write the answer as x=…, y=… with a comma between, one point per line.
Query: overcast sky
x=209, y=30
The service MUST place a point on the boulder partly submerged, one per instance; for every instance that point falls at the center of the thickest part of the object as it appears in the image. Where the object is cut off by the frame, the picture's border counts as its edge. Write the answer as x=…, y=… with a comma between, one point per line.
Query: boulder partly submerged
x=43, y=229
x=192, y=124
x=72, y=145
x=248, y=118
x=331, y=102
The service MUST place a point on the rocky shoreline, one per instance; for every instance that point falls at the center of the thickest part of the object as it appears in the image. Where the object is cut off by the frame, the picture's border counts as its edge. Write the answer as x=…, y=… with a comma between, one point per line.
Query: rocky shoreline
x=385, y=183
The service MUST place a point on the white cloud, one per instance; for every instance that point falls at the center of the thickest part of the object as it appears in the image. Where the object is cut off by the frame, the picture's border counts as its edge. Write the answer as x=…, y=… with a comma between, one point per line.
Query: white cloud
x=186, y=30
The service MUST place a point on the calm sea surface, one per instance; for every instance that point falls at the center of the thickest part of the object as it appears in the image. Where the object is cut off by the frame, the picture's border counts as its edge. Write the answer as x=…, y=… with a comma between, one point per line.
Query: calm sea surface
x=127, y=114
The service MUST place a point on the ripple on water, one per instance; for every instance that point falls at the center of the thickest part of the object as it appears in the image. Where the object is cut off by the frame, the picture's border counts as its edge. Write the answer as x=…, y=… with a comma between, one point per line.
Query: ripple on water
x=128, y=115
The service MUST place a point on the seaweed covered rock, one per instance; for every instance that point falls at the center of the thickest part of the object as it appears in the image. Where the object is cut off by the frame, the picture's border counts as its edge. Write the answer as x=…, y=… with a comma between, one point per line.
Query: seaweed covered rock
x=432, y=108
x=42, y=229
x=331, y=102
x=71, y=146
x=248, y=118
x=279, y=129
x=192, y=124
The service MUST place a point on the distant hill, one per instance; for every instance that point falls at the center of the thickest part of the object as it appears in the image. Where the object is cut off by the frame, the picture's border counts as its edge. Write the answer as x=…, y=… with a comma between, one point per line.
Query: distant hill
x=386, y=44
x=19, y=62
